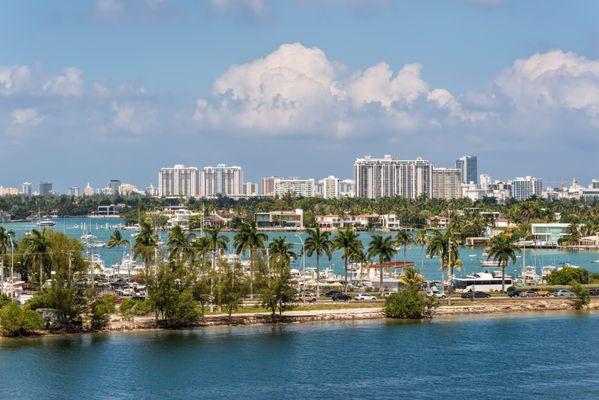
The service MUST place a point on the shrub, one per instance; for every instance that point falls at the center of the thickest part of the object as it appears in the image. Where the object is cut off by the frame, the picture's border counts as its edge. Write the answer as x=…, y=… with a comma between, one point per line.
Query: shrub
x=583, y=296
x=131, y=308
x=101, y=309
x=17, y=321
x=409, y=304
x=4, y=300
x=183, y=311
x=567, y=274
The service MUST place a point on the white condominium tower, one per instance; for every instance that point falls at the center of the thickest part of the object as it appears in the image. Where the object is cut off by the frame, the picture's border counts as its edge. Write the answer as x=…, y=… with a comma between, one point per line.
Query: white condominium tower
x=447, y=183
x=222, y=180
x=388, y=177
x=294, y=186
x=178, y=181
x=525, y=188
x=330, y=187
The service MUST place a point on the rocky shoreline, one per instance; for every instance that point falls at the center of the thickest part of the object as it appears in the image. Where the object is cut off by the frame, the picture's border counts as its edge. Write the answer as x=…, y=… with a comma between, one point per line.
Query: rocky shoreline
x=243, y=319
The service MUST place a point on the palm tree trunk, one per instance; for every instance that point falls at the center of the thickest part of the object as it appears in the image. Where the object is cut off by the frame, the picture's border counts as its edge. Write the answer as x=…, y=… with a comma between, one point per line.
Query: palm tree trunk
x=317, y=275
x=381, y=276
x=503, y=278
x=345, y=267
x=251, y=273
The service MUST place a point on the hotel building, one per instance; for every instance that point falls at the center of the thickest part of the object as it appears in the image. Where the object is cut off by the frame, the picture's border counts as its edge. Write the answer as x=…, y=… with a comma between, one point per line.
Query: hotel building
x=178, y=181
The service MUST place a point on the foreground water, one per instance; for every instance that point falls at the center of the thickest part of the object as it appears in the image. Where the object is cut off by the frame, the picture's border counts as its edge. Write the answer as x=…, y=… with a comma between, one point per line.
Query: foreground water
x=555, y=356
x=471, y=258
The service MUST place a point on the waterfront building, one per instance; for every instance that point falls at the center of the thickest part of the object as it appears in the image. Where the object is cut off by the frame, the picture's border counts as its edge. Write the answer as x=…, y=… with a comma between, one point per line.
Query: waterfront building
x=360, y=222
x=388, y=177
x=268, y=185
x=485, y=181
x=469, y=168
x=285, y=220
x=330, y=187
x=44, y=188
x=250, y=189
x=74, y=191
x=294, y=186
x=595, y=184
x=8, y=191
x=526, y=187
x=178, y=181
x=548, y=235
x=222, y=180
x=26, y=189
x=446, y=183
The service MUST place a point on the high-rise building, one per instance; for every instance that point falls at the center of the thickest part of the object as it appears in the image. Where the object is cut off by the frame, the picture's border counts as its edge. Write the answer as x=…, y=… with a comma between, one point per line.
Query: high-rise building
x=330, y=187
x=525, y=188
x=595, y=184
x=114, y=187
x=294, y=186
x=485, y=181
x=388, y=177
x=469, y=168
x=347, y=188
x=44, y=188
x=88, y=191
x=26, y=189
x=447, y=183
x=222, y=180
x=268, y=185
x=178, y=181
x=74, y=191
x=250, y=189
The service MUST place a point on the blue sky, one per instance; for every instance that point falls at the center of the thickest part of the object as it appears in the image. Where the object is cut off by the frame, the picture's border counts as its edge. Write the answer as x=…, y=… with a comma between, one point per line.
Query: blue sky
x=93, y=90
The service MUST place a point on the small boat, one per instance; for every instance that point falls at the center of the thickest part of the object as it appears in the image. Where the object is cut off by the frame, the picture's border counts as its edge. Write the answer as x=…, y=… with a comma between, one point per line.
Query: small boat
x=595, y=261
x=489, y=263
x=46, y=222
x=87, y=236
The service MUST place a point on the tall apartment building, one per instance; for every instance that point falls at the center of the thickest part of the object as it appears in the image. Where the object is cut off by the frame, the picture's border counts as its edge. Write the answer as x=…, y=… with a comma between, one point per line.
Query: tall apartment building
x=26, y=188
x=74, y=191
x=330, y=187
x=447, y=183
x=525, y=188
x=295, y=187
x=468, y=166
x=222, y=180
x=114, y=186
x=347, y=188
x=268, y=185
x=44, y=188
x=388, y=176
x=250, y=189
x=178, y=181
x=595, y=184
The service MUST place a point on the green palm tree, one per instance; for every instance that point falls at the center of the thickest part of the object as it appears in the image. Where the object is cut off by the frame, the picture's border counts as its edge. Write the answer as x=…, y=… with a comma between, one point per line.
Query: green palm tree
x=146, y=243
x=116, y=240
x=248, y=239
x=503, y=250
x=411, y=278
x=403, y=239
x=36, y=253
x=348, y=241
x=179, y=244
x=357, y=255
x=216, y=242
x=281, y=250
x=383, y=248
x=6, y=241
x=319, y=243
x=441, y=244
x=421, y=239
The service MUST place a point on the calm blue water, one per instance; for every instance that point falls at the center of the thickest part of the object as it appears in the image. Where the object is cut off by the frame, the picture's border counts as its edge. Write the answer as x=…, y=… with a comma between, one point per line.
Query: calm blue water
x=481, y=358
x=102, y=228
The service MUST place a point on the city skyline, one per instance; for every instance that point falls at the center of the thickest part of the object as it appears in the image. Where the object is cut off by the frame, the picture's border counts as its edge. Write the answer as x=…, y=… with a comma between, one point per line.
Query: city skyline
x=113, y=88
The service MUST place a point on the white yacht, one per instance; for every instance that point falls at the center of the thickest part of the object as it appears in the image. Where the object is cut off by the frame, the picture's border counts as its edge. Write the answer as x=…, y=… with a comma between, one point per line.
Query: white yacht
x=46, y=222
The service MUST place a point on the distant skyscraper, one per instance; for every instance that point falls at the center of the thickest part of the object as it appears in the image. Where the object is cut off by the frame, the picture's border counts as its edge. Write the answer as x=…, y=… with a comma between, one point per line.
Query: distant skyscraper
x=88, y=191
x=295, y=187
x=250, y=189
x=26, y=189
x=222, y=180
x=74, y=191
x=178, y=181
x=595, y=184
x=44, y=188
x=525, y=188
x=113, y=186
x=268, y=185
x=485, y=181
x=388, y=176
x=447, y=183
x=330, y=187
x=347, y=188
x=469, y=168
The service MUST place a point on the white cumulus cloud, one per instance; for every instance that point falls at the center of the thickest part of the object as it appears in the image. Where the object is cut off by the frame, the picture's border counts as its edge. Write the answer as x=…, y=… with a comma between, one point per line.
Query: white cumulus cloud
x=26, y=117
x=14, y=78
x=69, y=83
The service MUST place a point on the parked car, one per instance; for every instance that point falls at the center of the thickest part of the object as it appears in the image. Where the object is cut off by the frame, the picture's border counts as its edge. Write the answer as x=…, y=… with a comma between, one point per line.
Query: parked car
x=339, y=296
x=563, y=293
x=514, y=293
x=365, y=297
x=331, y=293
x=308, y=296
x=527, y=293
x=437, y=294
x=543, y=293
x=476, y=295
